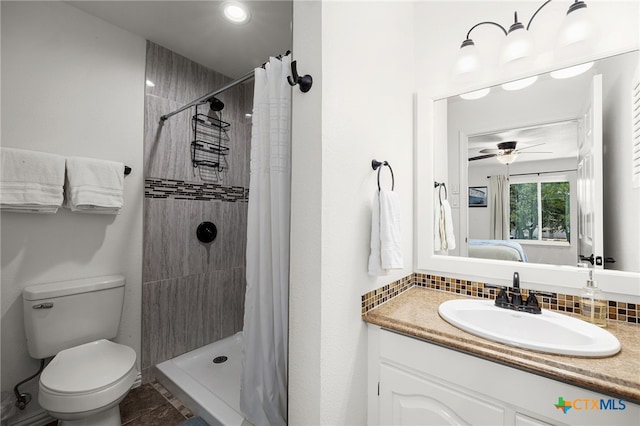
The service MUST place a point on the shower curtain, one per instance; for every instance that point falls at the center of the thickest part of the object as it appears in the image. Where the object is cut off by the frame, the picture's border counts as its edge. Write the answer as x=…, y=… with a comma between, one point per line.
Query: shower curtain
x=499, y=190
x=263, y=393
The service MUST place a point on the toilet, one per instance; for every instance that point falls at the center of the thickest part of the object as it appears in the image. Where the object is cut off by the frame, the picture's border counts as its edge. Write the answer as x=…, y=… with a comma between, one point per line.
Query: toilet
x=73, y=322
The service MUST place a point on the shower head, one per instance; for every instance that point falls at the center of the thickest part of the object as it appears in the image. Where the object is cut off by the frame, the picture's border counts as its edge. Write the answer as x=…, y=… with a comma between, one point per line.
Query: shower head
x=216, y=104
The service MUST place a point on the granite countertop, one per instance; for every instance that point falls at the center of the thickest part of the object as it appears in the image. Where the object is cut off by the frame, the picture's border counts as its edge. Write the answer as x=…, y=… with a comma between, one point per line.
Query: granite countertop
x=415, y=313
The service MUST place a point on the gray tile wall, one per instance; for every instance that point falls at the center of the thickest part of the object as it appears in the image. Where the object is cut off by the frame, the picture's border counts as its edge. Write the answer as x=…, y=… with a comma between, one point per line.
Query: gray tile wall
x=193, y=293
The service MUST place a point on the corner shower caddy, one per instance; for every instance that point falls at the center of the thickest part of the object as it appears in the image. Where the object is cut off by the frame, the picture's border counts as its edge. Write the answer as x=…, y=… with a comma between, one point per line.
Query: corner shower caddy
x=210, y=145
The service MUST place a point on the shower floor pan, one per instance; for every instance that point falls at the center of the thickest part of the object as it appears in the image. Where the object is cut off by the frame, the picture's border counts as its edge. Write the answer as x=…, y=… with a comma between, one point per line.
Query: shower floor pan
x=210, y=390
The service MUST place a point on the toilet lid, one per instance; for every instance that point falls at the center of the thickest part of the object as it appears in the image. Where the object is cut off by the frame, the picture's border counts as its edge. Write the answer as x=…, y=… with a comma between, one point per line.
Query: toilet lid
x=89, y=367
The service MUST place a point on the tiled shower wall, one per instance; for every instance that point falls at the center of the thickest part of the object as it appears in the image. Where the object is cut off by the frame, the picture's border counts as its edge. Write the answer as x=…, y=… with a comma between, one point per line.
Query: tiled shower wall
x=193, y=293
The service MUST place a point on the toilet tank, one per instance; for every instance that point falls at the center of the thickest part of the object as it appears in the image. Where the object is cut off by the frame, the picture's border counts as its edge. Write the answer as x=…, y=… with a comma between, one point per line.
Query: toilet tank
x=64, y=314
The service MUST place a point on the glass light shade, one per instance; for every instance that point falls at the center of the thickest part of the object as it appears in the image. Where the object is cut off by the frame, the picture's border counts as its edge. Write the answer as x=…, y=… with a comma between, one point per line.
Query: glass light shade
x=520, y=84
x=476, y=94
x=517, y=46
x=571, y=71
x=467, y=60
x=577, y=29
x=507, y=158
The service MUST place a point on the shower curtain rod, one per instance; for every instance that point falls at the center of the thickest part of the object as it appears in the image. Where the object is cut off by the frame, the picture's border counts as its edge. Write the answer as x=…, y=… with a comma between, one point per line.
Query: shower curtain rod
x=247, y=76
x=541, y=173
x=205, y=98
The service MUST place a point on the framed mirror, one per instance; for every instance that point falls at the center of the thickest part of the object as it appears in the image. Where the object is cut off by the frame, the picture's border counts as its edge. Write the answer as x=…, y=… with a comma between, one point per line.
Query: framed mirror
x=557, y=161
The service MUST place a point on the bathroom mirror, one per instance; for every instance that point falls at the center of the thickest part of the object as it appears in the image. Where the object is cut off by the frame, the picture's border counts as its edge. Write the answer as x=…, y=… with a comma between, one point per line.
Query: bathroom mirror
x=533, y=136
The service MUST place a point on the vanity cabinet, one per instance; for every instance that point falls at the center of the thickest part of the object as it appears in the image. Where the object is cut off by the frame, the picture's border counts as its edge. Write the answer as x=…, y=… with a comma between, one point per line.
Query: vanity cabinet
x=413, y=382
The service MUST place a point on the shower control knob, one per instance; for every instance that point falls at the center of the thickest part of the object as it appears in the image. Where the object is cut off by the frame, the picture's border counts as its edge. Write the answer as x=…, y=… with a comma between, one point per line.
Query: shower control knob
x=206, y=232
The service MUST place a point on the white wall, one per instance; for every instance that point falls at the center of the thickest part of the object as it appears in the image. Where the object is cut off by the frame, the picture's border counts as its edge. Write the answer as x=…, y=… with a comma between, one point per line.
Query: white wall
x=363, y=94
x=72, y=85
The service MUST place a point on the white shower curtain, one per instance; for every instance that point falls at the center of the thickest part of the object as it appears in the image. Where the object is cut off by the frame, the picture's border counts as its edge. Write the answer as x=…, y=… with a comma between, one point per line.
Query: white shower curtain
x=263, y=393
x=499, y=193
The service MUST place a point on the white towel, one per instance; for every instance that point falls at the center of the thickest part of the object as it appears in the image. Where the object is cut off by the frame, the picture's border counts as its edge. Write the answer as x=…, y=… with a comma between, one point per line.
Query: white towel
x=450, y=237
x=94, y=186
x=390, y=237
x=386, y=243
x=444, y=237
x=31, y=181
x=375, y=257
x=437, y=214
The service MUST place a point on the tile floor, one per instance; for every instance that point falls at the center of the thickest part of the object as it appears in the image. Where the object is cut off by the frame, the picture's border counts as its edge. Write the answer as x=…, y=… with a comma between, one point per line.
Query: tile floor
x=151, y=405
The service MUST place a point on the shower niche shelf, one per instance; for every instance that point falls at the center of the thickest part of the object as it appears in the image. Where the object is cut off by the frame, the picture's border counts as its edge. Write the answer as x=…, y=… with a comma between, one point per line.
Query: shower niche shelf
x=210, y=146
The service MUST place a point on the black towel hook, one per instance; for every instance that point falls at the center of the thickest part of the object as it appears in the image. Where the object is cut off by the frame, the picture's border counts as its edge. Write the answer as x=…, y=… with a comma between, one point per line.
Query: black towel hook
x=305, y=81
x=375, y=165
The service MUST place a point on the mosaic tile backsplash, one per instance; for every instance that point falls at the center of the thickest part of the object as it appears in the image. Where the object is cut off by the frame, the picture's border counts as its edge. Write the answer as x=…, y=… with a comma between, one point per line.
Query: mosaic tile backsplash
x=618, y=311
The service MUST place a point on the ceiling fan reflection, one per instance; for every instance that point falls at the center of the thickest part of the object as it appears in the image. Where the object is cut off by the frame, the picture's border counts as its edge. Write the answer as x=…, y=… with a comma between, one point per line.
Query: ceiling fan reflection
x=506, y=150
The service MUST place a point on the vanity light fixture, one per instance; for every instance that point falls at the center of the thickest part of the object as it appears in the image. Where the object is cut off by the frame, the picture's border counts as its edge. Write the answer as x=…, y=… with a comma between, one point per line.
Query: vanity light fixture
x=236, y=12
x=576, y=32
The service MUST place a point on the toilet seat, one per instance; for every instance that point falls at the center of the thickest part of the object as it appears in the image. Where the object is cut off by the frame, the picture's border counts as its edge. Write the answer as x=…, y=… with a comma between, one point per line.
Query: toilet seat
x=87, y=377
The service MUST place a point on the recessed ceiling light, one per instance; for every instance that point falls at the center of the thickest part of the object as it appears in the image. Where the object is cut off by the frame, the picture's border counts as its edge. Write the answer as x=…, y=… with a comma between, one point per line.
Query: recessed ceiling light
x=236, y=12
x=248, y=115
x=150, y=83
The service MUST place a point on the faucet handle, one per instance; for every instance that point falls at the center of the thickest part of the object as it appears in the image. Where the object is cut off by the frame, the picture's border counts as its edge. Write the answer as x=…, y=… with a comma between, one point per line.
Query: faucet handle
x=502, y=300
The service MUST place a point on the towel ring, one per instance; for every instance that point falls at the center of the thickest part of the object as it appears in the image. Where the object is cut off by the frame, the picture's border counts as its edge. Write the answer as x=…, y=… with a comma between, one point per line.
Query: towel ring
x=375, y=165
x=441, y=185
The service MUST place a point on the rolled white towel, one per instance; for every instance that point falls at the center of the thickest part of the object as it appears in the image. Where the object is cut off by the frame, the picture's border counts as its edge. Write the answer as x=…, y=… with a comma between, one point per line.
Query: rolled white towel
x=31, y=181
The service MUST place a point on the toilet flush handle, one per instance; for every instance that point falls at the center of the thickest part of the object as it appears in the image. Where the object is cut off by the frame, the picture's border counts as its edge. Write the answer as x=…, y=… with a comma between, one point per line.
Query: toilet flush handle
x=47, y=305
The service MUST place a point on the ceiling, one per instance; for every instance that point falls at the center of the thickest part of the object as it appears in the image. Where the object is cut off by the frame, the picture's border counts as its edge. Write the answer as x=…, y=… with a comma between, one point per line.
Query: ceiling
x=198, y=30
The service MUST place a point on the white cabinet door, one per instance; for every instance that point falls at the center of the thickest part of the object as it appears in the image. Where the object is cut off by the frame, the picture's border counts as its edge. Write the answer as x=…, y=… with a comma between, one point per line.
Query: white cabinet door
x=409, y=399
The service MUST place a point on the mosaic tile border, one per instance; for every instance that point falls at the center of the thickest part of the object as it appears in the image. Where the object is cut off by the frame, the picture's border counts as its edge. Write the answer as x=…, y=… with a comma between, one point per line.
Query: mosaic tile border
x=377, y=297
x=181, y=190
x=618, y=311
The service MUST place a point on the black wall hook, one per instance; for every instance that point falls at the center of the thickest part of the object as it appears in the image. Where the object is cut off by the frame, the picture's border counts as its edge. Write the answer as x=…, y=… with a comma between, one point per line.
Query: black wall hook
x=305, y=81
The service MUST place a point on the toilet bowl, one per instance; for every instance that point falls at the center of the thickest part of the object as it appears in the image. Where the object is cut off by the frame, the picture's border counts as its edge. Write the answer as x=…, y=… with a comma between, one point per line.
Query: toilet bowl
x=72, y=321
x=84, y=384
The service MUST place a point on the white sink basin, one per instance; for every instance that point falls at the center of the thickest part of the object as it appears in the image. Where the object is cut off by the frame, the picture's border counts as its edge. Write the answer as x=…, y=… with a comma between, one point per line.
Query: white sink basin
x=548, y=332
